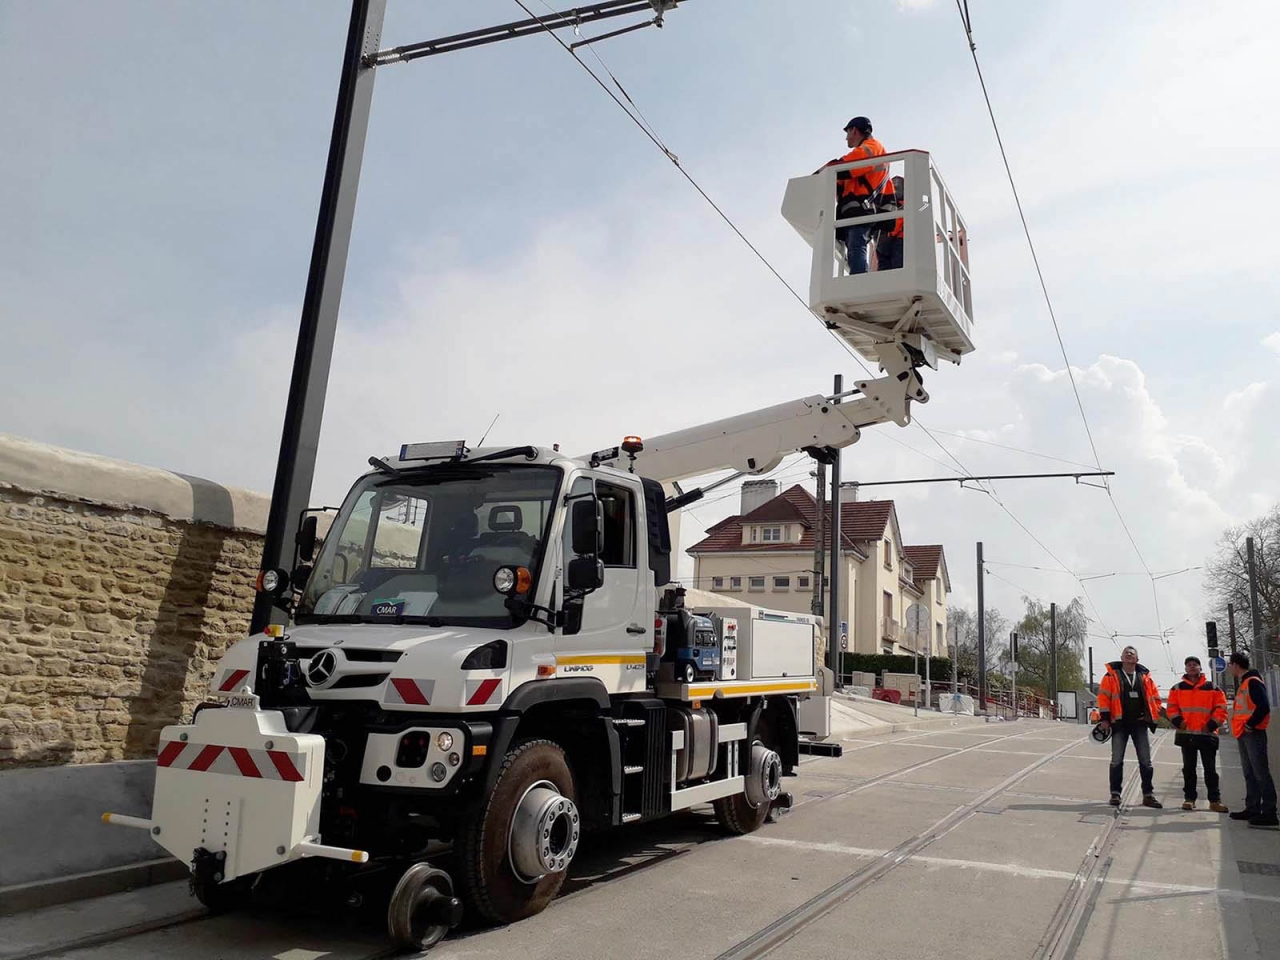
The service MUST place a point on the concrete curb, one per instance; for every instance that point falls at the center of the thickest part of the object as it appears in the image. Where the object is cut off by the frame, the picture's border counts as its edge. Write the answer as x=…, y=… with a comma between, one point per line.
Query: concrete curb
x=82, y=886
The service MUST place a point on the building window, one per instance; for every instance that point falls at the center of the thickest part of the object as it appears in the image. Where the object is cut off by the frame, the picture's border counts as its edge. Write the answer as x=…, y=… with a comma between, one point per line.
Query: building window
x=735, y=583
x=717, y=583
x=755, y=534
x=888, y=554
x=802, y=583
x=782, y=583
x=771, y=534
x=755, y=583
x=938, y=588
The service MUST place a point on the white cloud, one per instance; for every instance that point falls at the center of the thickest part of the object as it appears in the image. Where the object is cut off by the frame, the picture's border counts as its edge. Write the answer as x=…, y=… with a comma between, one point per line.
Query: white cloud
x=1272, y=342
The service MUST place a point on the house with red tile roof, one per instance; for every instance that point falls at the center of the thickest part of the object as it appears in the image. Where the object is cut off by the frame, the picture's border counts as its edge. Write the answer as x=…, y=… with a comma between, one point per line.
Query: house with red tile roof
x=764, y=555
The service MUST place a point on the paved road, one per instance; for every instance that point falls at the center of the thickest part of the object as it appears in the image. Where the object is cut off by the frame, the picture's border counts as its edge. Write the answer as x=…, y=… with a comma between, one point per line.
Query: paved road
x=967, y=840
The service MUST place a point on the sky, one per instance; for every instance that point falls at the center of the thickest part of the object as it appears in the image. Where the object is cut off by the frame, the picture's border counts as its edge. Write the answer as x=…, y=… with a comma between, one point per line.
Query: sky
x=520, y=250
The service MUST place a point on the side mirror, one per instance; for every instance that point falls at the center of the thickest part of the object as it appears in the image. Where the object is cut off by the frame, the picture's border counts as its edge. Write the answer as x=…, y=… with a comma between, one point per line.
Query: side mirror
x=306, y=539
x=584, y=573
x=588, y=527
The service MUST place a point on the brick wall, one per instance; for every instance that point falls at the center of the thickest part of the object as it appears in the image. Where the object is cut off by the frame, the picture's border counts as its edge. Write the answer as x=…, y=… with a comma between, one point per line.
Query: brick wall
x=118, y=592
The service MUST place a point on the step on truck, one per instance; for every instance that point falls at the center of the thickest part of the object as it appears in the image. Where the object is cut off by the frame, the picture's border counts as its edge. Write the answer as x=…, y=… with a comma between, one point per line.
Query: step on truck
x=487, y=659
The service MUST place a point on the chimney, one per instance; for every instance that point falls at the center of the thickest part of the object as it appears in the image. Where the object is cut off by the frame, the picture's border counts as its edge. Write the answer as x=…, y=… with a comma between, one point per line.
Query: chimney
x=756, y=493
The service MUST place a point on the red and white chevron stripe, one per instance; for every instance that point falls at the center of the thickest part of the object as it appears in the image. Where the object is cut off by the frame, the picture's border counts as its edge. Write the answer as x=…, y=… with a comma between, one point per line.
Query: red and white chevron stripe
x=481, y=692
x=413, y=692
x=233, y=761
x=231, y=680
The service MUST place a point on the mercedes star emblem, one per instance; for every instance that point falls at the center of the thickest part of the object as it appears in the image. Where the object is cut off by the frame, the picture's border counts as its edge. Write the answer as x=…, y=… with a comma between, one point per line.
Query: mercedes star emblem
x=322, y=668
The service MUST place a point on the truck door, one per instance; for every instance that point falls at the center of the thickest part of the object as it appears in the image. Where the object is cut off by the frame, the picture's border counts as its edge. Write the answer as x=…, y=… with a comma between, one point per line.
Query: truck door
x=617, y=624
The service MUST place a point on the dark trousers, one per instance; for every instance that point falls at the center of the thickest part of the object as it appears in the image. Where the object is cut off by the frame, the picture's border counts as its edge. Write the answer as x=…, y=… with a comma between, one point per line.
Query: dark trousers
x=1208, y=754
x=1121, y=734
x=855, y=242
x=888, y=252
x=1259, y=788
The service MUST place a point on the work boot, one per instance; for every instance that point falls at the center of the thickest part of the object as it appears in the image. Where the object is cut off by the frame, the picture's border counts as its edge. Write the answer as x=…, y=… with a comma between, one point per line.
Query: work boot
x=1115, y=799
x=1265, y=820
x=1150, y=801
x=1244, y=815
x=1188, y=804
x=1217, y=806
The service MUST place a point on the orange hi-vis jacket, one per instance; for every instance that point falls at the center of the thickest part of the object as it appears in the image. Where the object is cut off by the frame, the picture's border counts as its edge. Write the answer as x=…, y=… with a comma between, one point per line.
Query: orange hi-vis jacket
x=1244, y=706
x=1111, y=696
x=1198, y=709
x=863, y=181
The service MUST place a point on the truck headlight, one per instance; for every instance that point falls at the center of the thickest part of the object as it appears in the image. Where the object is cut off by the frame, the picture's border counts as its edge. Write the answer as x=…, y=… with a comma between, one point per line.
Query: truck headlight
x=445, y=740
x=512, y=580
x=504, y=579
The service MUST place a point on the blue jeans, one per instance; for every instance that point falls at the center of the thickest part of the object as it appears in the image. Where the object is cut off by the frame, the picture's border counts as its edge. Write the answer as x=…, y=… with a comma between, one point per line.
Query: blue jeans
x=855, y=243
x=1121, y=734
x=1259, y=788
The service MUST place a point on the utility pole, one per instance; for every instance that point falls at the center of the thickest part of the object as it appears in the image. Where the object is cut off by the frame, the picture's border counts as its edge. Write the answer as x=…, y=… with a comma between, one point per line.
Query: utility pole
x=1091, y=690
x=834, y=612
x=1259, y=641
x=1053, y=657
x=982, y=640
x=1231, y=631
x=819, y=549
x=1013, y=659
x=955, y=661
x=296, y=464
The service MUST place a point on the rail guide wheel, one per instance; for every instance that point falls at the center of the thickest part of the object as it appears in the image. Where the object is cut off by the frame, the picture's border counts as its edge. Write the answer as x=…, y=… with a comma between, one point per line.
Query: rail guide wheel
x=423, y=908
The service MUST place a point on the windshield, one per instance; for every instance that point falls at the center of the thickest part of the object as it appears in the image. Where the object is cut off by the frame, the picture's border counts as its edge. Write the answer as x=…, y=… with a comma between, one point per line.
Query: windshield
x=425, y=546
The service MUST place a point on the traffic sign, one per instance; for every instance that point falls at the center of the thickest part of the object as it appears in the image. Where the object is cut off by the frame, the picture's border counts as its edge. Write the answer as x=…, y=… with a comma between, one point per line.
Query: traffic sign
x=1219, y=664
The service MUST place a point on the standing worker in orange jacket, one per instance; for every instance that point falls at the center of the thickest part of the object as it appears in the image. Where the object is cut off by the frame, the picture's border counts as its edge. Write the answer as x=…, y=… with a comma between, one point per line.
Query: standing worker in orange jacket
x=1129, y=704
x=859, y=189
x=1250, y=717
x=1198, y=709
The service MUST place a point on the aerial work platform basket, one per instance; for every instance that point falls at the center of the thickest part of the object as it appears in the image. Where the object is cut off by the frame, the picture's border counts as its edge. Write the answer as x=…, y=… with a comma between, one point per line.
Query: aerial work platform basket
x=930, y=294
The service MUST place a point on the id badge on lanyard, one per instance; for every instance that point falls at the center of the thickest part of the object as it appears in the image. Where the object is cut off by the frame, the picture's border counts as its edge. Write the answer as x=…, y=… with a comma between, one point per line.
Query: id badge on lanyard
x=1133, y=689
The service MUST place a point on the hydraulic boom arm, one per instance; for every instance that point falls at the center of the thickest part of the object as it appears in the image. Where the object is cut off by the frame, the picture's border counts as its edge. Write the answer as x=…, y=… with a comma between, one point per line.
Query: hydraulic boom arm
x=756, y=442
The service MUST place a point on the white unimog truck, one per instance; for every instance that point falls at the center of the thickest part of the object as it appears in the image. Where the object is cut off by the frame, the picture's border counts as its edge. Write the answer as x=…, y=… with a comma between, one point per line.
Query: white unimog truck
x=486, y=660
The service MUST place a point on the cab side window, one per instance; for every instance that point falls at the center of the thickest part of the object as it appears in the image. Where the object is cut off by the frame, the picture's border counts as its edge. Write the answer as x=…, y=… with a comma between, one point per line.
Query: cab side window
x=619, y=525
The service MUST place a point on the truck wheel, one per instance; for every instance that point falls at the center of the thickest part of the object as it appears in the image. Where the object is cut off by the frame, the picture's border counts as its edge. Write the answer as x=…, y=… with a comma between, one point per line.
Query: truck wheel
x=746, y=812
x=513, y=853
x=690, y=673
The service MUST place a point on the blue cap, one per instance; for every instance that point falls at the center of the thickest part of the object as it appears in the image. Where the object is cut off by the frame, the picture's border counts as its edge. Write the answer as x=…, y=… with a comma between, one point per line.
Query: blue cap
x=861, y=123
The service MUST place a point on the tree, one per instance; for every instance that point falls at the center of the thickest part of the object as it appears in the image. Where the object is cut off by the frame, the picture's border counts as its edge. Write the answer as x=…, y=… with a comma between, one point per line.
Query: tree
x=1226, y=579
x=1035, y=644
x=962, y=625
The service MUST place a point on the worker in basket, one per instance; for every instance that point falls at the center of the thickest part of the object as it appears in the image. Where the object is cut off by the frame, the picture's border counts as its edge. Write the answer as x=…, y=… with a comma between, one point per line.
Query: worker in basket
x=860, y=191
x=889, y=232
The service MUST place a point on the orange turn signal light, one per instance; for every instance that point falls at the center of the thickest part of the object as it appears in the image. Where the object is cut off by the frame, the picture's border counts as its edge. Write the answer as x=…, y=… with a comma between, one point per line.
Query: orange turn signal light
x=546, y=670
x=524, y=580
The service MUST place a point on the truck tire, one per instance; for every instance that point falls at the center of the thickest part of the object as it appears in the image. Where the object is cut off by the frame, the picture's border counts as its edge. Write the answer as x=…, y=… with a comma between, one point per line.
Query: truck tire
x=491, y=886
x=738, y=814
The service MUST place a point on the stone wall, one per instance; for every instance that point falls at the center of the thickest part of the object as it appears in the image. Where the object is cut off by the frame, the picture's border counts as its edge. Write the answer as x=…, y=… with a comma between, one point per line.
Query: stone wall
x=120, y=586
